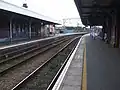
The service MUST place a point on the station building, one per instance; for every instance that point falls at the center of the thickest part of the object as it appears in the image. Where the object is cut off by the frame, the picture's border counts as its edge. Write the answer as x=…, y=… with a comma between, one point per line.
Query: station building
x=19, y=23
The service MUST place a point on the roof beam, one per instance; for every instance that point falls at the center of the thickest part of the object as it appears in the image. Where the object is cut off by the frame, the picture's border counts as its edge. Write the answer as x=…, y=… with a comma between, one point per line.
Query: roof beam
x=97, y=6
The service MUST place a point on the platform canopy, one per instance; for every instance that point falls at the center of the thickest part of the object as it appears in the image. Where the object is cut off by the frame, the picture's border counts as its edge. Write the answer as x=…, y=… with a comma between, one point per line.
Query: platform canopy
x=94, y=12
x=25, y=11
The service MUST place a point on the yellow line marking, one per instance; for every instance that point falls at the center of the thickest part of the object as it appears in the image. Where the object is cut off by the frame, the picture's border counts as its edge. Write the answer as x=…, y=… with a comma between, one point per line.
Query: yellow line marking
x=84, y=77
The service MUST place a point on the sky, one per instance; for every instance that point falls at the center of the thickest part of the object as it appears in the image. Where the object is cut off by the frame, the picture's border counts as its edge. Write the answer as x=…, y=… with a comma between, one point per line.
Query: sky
x=56, y=9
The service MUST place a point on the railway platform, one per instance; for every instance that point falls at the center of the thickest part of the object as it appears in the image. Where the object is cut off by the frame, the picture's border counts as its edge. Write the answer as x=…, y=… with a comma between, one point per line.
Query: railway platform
x=70, y=78
x=19, y=43
x=94, y=65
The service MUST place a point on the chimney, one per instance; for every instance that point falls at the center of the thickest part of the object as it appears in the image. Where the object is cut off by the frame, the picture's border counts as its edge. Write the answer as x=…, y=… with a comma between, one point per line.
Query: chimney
x=25, y=5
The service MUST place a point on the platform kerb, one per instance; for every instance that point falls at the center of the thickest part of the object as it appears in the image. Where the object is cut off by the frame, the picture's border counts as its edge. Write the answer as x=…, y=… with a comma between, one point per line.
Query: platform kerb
x=73, y=77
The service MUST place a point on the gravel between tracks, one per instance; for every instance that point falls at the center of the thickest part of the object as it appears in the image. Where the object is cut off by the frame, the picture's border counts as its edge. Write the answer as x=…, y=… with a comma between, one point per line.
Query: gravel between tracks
x=43, y=77
x=15, y=61
x=18, y=73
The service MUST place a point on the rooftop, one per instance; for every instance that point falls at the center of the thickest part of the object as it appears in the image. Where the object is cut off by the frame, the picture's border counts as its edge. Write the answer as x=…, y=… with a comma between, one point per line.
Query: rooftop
x=25, y=11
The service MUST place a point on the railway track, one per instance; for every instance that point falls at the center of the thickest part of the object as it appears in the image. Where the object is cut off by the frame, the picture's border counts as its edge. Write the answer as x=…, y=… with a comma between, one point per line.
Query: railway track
x=17, y=69
x=44, y=77
x=9, y=63
x=9, y=53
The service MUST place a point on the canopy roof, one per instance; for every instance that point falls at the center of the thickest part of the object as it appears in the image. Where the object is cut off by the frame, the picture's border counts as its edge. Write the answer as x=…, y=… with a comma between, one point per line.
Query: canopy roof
x=24, y=11
x=94, y=12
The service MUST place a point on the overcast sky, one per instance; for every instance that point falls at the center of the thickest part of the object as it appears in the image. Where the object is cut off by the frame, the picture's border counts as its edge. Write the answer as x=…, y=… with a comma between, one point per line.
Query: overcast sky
x=56, y=9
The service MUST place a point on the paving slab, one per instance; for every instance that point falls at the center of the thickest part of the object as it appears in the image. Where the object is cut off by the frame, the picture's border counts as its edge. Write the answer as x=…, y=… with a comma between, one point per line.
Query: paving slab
x=73, y=77
x=103, y=65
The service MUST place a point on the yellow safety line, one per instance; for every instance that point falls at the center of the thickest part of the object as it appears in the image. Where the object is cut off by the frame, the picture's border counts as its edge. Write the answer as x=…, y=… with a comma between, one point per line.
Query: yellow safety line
x=84, y=76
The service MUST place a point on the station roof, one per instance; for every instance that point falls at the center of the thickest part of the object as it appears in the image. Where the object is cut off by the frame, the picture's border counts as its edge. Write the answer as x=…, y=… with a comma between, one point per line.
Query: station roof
x=24, y=11
x=94, y=12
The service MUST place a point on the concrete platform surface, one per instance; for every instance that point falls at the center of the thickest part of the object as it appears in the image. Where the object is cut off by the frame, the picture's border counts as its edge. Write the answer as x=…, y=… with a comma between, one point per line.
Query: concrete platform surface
x=102, y=67
x=73, y=76
x=72, y=79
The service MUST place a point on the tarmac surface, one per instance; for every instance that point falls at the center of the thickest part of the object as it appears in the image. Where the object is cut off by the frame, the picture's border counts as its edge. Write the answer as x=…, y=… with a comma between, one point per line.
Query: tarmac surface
x=103, y=65
x=98, y=69
x=71, y=76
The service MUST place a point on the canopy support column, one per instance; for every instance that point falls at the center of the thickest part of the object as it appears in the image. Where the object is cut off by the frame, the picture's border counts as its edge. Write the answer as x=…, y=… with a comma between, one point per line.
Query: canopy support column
x=30, y=29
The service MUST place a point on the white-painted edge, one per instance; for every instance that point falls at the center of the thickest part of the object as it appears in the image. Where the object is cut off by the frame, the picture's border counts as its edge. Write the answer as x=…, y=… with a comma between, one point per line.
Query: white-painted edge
x=22, y=43
x=33, y=41
x=62, y=75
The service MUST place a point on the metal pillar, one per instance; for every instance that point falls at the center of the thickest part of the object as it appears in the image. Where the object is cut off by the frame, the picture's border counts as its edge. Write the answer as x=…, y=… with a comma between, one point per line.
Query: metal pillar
x=117, y=32
x=54, y=29
x=103, y=32
x=109, y=31
x=30, y=29
x=108, y=27
x=113, y=29
x=40, y=30
x=11, y=36
x=44, y=31
x=41, y=34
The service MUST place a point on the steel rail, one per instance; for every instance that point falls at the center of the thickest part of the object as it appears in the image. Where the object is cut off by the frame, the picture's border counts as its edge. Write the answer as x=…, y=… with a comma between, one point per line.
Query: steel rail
x=4, y=71
x=33, y=73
